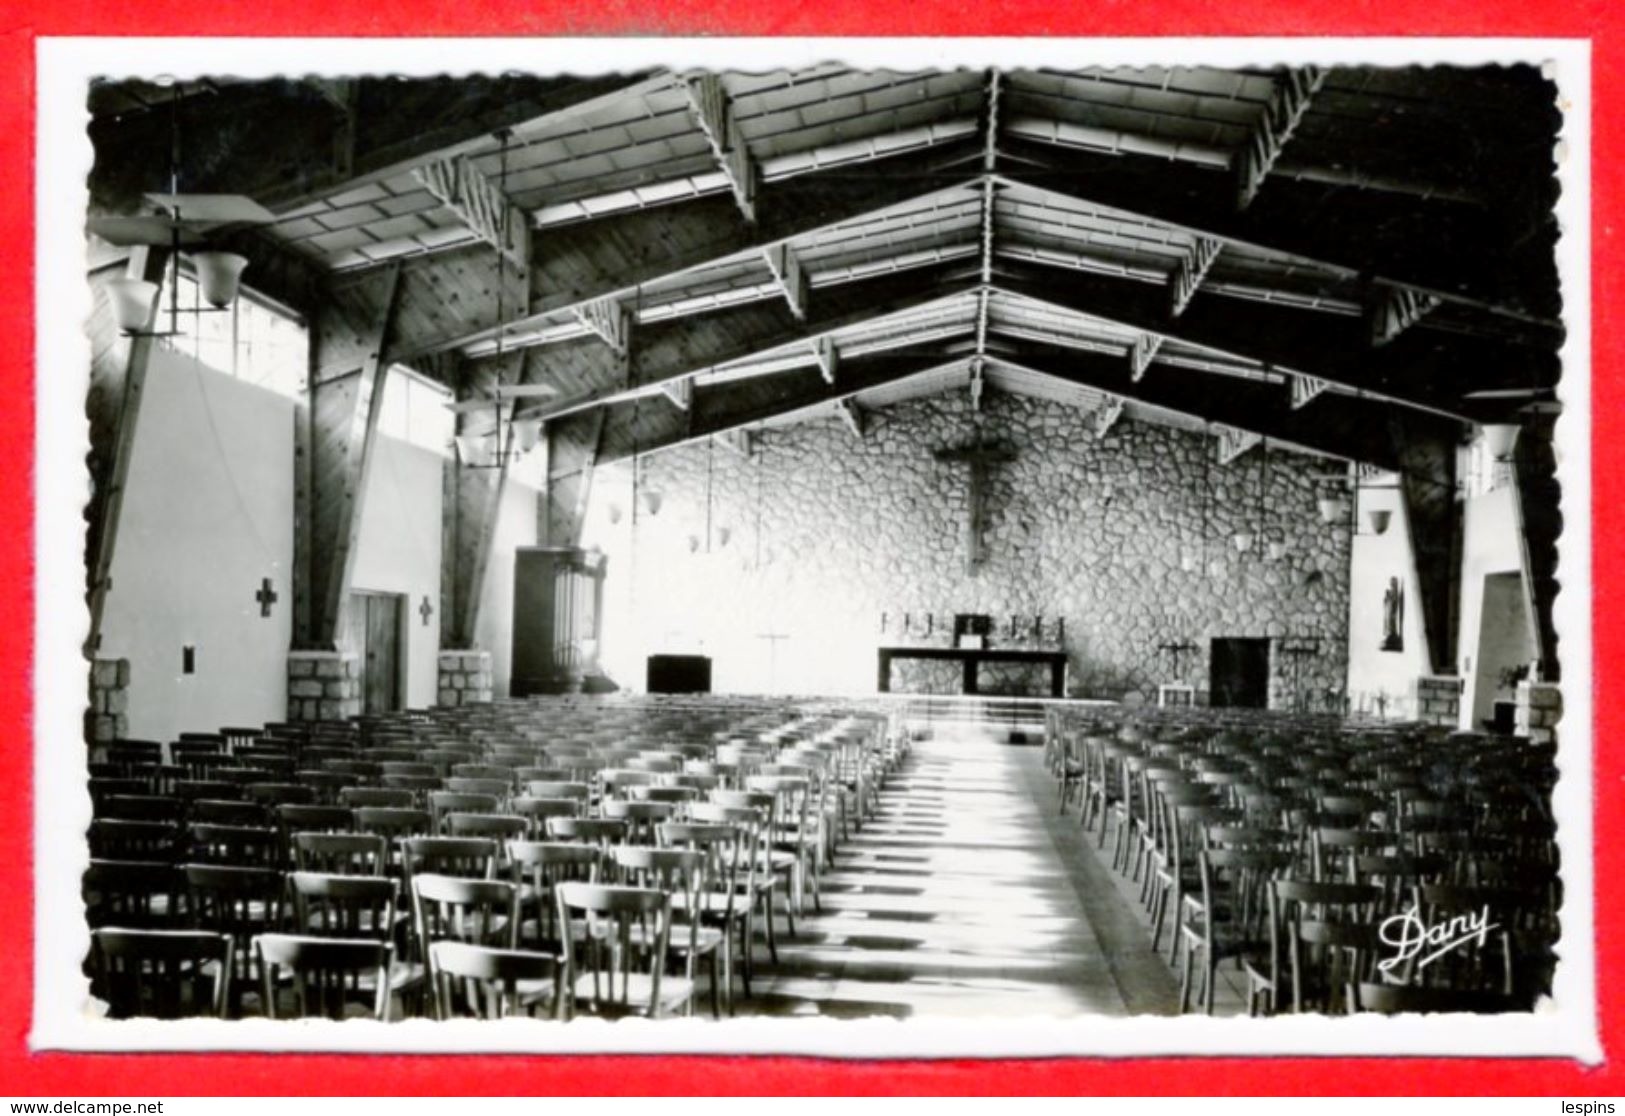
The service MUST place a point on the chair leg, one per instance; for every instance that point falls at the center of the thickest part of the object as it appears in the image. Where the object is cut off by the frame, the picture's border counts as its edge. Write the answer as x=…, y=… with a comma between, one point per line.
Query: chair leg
x=1185, y=981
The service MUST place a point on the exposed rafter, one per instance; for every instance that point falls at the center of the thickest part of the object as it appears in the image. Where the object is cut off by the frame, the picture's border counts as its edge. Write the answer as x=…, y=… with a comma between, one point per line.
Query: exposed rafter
x=1306, y=389
x=1233, y=443
x=1297, y=342
x=852, y=416
x=714, y=112
x=480, y=204
x=1396, y=309
x=609, y=321
x=1294, y=89
x=785, y=265
x=1191, y=270
x=1106, y=416
x=1142, y=354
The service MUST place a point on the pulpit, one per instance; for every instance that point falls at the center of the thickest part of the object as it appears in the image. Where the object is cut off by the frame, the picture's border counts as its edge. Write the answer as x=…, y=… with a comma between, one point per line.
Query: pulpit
x=558, y=595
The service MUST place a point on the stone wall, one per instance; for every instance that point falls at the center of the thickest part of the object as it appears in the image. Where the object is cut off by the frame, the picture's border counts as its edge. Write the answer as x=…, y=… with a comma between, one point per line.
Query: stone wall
x=1438, y=700
x=323, y=686
x=1540, y=707
x=107, y=719
x=820, y=534
x=465, y=677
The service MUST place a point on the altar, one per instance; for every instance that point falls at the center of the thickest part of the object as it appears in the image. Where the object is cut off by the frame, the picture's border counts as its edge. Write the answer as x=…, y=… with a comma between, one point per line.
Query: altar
x=971, y=659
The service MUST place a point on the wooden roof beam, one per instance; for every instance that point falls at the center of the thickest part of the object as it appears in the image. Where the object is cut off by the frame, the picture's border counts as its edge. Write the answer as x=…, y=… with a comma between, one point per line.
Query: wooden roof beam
x=1427, y=376
x=576, y=265
x=609, y=321
x=1306, y=389
x=1457, y=252
x=675, y=350
x=480, y=204
x=714, y=112
x=1294, y=90
x=1142, y=354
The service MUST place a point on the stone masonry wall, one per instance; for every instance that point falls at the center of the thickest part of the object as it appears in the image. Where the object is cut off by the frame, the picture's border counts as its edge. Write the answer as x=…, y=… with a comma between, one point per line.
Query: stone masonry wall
x=323, y=686
x=1540, y=707
x=107, y=719
x=465, y=677
x=806, y=545
x=1438, y=700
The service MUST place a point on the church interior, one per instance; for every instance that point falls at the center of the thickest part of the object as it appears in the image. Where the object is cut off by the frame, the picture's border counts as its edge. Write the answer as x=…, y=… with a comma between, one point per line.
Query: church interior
x=822, y=542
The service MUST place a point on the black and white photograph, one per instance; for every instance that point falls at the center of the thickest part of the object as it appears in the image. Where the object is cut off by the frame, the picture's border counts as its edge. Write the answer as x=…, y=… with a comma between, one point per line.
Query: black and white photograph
x=1030, y=542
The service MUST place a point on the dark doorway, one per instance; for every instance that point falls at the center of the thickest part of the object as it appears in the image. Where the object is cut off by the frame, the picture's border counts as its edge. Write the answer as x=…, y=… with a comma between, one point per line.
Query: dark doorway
x=1240, y=673
x=375, y=634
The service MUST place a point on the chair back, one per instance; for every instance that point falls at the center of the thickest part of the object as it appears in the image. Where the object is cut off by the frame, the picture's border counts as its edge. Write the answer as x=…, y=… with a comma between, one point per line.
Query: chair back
x=326, y=974
x=485, y=983
x=162, y=974
x=617, y=949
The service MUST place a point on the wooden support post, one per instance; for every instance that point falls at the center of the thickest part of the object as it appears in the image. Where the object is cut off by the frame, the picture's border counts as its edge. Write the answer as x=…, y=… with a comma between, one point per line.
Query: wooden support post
x=118, y=382
x=1427, y=472
x=344, y=416
x=573, y=445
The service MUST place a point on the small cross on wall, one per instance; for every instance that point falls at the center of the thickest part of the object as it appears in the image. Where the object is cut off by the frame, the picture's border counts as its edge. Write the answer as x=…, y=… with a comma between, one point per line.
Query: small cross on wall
x=266, y=596
x=425, y=610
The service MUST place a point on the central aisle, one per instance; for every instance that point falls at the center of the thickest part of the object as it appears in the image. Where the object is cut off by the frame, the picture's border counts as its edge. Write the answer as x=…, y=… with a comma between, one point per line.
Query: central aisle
x=966, y=895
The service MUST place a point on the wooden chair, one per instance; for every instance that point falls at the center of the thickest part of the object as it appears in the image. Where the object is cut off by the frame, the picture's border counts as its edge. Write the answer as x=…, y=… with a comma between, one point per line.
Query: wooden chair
x=239, y=902
x=683, y=874
x=387, y=797
x=246, y=846
x=615, y=959
x=486, y=983
x=455, y=908
x=1225, y=919
x=117, y=839
x=139, y=894
x=140, y=807
x=1322, y=938
x=328, y=975
x=538, y=867
x=727, y=850
x=341, y=854
x=162, y=974
x=466, y=857
x=1395, y=999
x=444, y=803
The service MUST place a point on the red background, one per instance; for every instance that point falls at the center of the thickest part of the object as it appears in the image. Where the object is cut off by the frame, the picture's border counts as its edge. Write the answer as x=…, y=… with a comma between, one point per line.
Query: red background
x=152, y=1075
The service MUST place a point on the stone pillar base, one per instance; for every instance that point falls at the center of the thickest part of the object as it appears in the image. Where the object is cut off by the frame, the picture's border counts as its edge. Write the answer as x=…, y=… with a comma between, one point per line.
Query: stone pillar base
x=465, y=677
x=1438, y=700
x=323, y=685
x=107, y=719
x=1540, y=707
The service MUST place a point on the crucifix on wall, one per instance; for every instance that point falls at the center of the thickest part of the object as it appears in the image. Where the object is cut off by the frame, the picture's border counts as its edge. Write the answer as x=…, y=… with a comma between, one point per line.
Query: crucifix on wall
x=980, y=458
x=266, y=596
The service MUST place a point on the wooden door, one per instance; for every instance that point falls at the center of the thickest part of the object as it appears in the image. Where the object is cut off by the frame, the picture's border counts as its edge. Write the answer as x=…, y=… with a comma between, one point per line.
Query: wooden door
x=376, y=634
x=1239, y=674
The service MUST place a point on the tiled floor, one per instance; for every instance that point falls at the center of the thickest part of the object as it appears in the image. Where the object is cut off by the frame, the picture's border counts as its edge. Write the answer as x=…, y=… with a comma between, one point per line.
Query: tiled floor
x=966, y=895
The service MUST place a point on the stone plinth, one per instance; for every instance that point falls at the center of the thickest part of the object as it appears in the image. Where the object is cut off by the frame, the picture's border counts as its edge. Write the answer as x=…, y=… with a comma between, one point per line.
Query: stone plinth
x=1540, y=707
x=323, y=686
x=1438, y=700
x=107, y=718
x=465, y=677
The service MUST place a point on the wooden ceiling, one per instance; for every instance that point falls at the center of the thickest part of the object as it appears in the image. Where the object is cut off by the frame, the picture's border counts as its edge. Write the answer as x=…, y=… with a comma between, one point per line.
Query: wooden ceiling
x=1339, y=260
